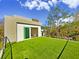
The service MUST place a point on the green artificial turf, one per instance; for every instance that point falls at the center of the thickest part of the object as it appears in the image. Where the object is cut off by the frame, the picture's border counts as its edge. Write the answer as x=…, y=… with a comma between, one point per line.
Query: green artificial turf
x=71, y=51
x=43, y=48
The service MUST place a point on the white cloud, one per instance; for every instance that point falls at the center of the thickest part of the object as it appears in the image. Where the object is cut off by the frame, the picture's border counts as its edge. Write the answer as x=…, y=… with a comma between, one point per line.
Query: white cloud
x=31, y=4
x=41, y=4
x=71, y=3
x=61, y=21
x=54, y=1
x=38, y=4
x=69, y=19
x=50, y=3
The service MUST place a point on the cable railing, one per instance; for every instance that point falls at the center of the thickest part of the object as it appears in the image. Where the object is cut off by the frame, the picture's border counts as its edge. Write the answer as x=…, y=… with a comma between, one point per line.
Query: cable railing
x=63, y=49
x=6, y=48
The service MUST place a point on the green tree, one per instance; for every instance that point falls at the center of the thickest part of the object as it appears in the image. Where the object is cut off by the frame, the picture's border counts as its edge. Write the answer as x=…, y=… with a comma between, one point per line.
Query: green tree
x=55, y=14
x=54, y=17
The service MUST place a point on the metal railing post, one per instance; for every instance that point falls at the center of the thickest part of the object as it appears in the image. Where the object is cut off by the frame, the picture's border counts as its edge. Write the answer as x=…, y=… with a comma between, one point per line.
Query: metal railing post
x=10, y=48
x=5, y=39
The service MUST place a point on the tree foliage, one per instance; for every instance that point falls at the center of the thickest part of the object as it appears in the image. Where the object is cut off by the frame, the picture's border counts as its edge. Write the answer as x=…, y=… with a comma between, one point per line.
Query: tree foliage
x=69, y=30
x=55, y=14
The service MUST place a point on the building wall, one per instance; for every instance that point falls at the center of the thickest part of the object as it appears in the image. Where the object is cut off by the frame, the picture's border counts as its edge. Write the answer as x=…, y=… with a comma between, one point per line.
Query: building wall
x=10, y=27
x=20, y=31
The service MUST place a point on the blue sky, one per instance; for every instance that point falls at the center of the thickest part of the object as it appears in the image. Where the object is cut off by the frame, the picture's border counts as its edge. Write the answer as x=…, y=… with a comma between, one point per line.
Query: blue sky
x=34, y=8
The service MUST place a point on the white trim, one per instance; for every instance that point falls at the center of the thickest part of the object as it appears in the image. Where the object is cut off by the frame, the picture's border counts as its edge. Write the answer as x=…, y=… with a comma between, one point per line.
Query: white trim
x=39, y=31
x=20, y=31
x=30, y=32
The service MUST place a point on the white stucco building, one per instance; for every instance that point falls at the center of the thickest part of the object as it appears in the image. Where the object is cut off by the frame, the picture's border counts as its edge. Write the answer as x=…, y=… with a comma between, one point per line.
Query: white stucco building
x=19, y=28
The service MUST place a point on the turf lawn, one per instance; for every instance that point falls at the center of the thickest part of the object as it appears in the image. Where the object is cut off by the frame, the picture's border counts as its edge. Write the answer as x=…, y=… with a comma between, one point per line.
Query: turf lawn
x=44, y=48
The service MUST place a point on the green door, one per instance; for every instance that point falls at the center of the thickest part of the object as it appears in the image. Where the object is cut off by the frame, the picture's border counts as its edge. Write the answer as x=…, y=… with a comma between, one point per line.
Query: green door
x=26, y=32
